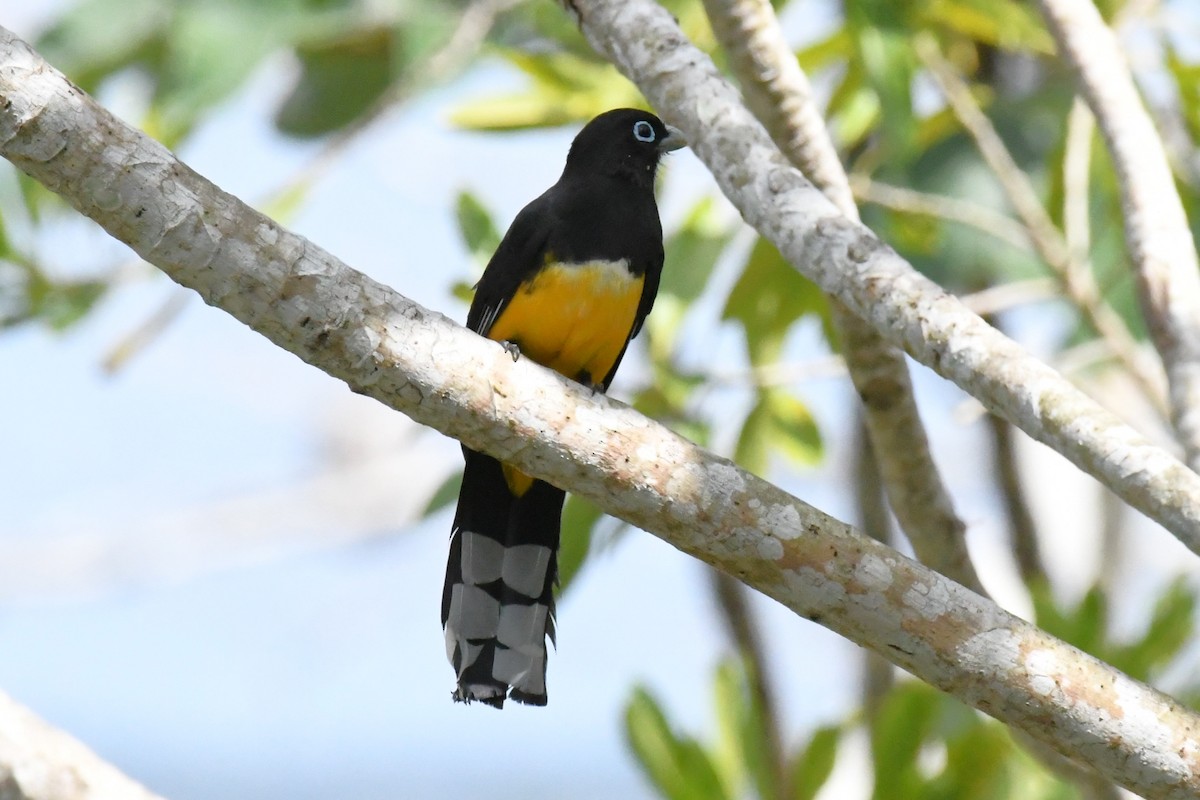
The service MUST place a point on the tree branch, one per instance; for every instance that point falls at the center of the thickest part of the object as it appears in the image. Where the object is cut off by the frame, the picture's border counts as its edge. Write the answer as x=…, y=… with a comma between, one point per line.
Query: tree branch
x=416, y=361
x=849, y=262
x=778, y=92
x=38, y=762
x=1156, y=229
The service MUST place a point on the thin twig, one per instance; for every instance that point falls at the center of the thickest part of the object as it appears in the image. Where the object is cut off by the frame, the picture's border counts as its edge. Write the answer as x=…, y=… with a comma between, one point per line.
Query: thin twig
x=953, y=209
x=1021, y=525
x=1077, y=208
x=1005, y=296
x=1114, y=515
x=1157, y=233
x=145, y=334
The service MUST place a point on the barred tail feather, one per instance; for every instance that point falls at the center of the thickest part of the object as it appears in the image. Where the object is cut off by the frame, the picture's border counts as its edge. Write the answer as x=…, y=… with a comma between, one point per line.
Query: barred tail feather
x=498, y=601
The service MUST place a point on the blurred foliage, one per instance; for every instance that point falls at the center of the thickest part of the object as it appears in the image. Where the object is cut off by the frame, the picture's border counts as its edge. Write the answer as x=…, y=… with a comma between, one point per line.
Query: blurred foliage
x=925, y=745
x=352, y=58
x=736, y=764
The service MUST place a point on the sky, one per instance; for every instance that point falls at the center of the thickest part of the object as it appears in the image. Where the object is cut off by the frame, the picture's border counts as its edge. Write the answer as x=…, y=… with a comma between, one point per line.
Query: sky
x=210, y=570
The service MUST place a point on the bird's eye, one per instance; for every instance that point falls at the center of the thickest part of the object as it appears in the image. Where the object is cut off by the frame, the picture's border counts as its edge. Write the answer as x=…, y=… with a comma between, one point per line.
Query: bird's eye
x=643, y=131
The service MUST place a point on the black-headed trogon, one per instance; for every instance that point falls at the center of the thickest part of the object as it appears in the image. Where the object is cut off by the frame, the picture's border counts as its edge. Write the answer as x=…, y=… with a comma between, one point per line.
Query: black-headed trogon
x=570, y=284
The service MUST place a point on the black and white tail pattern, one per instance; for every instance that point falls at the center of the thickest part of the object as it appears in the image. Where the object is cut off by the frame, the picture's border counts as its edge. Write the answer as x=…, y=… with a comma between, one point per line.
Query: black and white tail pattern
x=498, y=600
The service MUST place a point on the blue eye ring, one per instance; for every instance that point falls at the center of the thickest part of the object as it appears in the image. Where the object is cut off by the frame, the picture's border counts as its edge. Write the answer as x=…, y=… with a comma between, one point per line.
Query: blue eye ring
x=643, y=131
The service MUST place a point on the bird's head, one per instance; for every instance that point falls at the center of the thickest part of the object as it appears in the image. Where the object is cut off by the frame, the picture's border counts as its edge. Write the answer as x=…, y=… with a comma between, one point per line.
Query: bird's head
x=626, y=142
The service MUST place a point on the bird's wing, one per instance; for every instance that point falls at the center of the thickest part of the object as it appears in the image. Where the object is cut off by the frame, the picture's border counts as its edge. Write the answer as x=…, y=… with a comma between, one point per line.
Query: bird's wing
x=519, y=256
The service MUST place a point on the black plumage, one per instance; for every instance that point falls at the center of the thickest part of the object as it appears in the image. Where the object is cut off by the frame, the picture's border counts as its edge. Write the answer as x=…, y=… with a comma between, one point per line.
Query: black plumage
x=569, y=285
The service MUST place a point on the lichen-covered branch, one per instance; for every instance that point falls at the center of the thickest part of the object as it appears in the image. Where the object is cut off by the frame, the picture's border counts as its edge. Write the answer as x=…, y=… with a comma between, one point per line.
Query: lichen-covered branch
x=38, y=762
x=849, y=262
x=778, y=92
x=1156, y=228
x=418, y=362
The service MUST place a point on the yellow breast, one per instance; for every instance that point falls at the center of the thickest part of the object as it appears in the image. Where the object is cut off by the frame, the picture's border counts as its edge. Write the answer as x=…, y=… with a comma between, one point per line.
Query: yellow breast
x=573, y=318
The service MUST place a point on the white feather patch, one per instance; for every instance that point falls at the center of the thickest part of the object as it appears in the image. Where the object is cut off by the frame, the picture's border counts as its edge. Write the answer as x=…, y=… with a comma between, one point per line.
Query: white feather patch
x=474, y=614
x=524, y=568
x=523, y=628
x=482, y=558
x=523, y=671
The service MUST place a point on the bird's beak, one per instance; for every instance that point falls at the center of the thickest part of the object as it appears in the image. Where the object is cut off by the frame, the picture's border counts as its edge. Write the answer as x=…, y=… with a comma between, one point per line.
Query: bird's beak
x=673, y=141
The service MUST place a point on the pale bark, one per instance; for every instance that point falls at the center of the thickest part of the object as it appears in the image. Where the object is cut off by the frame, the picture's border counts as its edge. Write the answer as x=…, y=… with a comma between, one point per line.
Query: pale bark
x=38, y=762
x=416, y=361
x=1156, y=228
x=778, y=92
x=849, y=262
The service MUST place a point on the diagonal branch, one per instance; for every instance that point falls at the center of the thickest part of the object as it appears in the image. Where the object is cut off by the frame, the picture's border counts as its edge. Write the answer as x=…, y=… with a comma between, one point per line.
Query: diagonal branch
x=416, y=361
x=38, y=762
x=1156, y=228
x=778, y=92
x=849, y=262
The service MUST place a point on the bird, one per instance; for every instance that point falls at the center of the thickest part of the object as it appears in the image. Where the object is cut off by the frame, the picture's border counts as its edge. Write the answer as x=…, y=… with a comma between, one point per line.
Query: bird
x=568, y=287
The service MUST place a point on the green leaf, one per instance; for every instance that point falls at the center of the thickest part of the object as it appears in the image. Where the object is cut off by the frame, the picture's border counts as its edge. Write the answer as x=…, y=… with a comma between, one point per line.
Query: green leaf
x=796, y=432
x=1172, y=624
x=905, y=720
x=768, y=297
x=463, y=290
x=445, y=494
x=69, y=302
x=977, y=761
x=579, y=520
x=207, y=52
x=693, y=249
x=778, y=420
x=728, y=702
x=882, y=40
x=564, y=87
x=890, y=67
x=1187, y=84
x=676, y=765
x=751, y=451
x=1084, y=626
x=340, y=80
x=98, y=37
x=668, y=396
x=737, y=704
x=476, y=227
x=833, y=49
x=998, y=23
x=813, y=765
x=27, y=294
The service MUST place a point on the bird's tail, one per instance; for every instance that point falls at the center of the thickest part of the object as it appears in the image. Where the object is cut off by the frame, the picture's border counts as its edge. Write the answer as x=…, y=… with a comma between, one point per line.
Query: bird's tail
x=498, y=601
